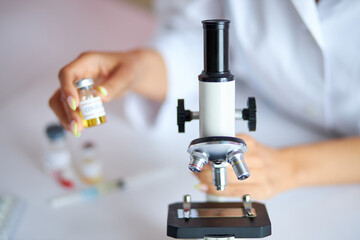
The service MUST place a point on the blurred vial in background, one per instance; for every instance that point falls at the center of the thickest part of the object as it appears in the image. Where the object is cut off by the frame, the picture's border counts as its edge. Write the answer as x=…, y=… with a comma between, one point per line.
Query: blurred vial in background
x=91, y=107
x=57, y=159
x=90, y=165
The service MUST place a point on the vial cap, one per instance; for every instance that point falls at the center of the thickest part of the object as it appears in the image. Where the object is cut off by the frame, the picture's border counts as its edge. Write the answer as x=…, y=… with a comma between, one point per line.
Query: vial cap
x=55, y=131
x=89, y=150
x=88, y=145
x=85, y=82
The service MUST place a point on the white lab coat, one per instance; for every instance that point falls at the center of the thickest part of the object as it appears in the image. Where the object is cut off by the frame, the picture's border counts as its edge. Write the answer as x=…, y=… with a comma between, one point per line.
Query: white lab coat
x=302, y=58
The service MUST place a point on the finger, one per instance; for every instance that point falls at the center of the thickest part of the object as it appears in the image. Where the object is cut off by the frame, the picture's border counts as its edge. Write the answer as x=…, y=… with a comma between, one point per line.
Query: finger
x=66, y=107
x=65, y=116
x=119, y=81
x=87, y=65
x=75, y=122
x=67, y=78
x=56, y=105
x=76, y=126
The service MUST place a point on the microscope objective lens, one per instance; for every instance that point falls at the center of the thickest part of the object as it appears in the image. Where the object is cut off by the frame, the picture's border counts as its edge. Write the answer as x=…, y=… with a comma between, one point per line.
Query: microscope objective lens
x=236, y=159
x=219, y=175
x=197, y=161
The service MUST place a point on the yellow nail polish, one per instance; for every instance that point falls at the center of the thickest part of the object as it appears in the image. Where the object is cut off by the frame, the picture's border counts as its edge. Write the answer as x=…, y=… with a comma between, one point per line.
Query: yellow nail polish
x=78, y=134
x=73, y=104
x=201, y=187
x=75, y=129
x=103, y=90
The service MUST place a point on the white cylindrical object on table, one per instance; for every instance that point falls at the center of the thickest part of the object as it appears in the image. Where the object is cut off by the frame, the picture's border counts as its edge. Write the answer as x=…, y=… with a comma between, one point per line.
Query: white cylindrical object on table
x=217, y=108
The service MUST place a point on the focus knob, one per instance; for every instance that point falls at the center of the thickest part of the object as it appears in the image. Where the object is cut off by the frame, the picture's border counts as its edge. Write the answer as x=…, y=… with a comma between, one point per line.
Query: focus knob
x=249, y=113
x=182, y=115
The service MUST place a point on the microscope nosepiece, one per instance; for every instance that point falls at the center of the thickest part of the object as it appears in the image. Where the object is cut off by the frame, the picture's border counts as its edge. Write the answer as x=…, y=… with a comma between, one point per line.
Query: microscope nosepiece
x=197, y=161
x=236, y=159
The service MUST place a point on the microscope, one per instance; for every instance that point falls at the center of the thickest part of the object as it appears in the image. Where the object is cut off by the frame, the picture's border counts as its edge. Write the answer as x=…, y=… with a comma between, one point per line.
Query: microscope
x=219, y=147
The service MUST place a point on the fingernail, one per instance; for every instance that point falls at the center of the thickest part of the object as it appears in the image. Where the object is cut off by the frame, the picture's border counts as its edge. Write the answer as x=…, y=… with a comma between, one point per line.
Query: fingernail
x=71, y=102
x=78, y=134
x=201, y=187
x=103, y=90
x=74, y=127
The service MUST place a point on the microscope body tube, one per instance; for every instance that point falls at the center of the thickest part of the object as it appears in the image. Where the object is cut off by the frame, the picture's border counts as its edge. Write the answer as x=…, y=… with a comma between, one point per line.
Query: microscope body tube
x=217, y=142
x=217, y=92
x=217, y=108
x=216, y=82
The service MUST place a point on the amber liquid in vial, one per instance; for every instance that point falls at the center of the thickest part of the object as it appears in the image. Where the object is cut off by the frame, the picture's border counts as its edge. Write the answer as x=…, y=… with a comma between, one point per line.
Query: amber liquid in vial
x=93, y=122
x=90, y=169
x=88, y=175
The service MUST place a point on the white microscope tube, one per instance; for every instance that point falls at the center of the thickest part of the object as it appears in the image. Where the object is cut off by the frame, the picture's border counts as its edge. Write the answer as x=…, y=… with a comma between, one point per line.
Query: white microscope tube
x=217, y=108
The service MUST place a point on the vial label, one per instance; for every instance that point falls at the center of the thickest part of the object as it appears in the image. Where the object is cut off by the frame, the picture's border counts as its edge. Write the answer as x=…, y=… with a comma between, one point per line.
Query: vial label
x=91, y=170
x=57, y=160
x=92, y=108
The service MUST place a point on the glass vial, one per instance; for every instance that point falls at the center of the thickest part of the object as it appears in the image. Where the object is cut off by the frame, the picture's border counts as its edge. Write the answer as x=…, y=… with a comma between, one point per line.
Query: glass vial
x=57, y=159
x=91, y=108
x=90, y=165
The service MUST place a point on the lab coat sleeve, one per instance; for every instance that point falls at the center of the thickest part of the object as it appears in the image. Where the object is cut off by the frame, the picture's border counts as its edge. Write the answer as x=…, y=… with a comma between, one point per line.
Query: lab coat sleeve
x=178, y=38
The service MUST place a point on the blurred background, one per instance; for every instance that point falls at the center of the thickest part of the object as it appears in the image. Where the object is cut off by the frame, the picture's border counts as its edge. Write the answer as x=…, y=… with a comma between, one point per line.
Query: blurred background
x=37, y=38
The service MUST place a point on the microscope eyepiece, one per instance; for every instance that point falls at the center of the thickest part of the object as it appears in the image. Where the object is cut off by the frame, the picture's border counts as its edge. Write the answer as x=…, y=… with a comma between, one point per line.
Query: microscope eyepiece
x=216, y=51
x=216, y=45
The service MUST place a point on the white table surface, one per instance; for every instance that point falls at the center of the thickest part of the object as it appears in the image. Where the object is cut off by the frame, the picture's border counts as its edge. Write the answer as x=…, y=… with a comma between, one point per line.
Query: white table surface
x=37, y=38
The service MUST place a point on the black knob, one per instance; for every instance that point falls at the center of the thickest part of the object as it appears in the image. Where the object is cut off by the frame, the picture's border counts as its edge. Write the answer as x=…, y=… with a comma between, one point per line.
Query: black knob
x=249, y=113
x=182, y=115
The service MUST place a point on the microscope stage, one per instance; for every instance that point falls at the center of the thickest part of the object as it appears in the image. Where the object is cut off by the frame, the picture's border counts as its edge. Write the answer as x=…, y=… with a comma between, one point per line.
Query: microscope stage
x=218, y=220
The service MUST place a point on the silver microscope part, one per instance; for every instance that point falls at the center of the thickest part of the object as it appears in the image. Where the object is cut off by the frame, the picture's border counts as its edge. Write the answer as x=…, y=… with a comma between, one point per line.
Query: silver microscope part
x=195, y=115
x=197, y=161
x=187, y=206
x=238, y=114
x=217, y=152
x=248, y=210
x=236, y=159
x=219, y=175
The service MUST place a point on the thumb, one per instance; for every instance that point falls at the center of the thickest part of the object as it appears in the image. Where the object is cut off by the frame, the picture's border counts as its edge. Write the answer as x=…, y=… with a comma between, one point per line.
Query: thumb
x=119, y=81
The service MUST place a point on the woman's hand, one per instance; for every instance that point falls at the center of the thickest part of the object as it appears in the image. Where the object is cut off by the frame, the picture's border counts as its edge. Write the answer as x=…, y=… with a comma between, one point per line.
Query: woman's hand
x=142, y=71
x=270, y=173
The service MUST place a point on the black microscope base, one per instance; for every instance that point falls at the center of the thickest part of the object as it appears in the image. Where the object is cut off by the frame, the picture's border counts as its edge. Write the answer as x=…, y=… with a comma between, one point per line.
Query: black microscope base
x=239, y=227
